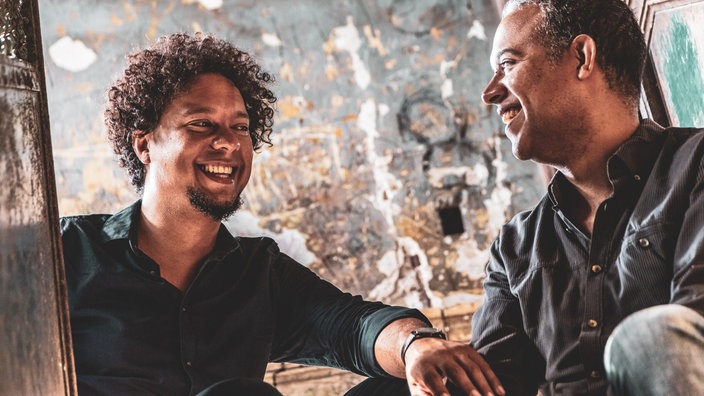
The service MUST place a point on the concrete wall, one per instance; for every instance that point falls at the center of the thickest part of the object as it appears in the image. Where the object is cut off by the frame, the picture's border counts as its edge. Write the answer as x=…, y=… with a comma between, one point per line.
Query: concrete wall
x=380, y=131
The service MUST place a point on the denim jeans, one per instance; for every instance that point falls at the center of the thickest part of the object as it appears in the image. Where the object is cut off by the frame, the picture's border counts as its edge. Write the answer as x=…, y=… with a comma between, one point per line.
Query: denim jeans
x=657, y=351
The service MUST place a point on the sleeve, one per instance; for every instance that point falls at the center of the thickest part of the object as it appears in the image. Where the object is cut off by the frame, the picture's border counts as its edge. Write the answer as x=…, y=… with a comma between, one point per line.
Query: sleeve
x=320, y=325
x=688, y=275
x=497, y=333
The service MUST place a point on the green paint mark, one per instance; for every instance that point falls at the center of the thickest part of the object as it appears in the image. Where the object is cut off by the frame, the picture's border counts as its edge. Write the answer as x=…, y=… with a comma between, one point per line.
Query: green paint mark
x=684, y=76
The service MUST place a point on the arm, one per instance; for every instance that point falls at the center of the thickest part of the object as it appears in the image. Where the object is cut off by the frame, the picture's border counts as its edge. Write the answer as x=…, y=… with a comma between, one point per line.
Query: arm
x=688, y=271
x=429, y=360
x=497, y=333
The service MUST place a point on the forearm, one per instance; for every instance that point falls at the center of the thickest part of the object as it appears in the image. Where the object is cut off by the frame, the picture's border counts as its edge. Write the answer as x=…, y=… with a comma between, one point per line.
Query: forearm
x=387, y=348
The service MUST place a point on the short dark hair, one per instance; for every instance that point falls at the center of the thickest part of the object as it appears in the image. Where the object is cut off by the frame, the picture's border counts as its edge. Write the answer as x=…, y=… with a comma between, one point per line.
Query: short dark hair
x=155, y=75
x=621, y=49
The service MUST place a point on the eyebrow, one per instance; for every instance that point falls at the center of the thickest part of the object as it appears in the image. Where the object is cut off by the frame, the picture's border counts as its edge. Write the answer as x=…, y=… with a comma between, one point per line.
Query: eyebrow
x=205, y=109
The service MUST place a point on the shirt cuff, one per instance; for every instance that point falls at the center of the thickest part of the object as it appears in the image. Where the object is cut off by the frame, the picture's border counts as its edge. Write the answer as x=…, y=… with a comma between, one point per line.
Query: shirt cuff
x=372, y=326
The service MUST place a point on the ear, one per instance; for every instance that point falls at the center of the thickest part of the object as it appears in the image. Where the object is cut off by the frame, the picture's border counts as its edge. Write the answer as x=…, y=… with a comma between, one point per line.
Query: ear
x=583, y=48
x=140, y=145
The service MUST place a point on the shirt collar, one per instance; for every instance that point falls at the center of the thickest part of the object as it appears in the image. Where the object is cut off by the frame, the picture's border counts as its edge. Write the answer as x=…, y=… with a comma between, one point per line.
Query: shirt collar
x=634, y=159
x=121, y=225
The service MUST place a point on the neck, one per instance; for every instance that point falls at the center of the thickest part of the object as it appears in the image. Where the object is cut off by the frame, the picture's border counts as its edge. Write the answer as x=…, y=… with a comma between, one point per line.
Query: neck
x=177, y=240
x=588, y=172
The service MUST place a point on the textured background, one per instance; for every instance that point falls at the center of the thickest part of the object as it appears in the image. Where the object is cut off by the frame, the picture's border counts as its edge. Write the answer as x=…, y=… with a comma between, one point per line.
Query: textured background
x=379, y=126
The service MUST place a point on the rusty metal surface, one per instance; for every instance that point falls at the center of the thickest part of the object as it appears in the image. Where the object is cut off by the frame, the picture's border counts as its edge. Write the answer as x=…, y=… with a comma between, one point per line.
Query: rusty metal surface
x=34, y=346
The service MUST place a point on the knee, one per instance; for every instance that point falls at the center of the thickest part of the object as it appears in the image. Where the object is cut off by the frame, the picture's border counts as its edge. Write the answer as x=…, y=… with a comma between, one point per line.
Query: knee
x=650, y=328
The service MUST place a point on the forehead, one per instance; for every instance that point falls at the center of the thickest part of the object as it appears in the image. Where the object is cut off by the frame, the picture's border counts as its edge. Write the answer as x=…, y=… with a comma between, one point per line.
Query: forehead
x=210, y=89
x=515, y=32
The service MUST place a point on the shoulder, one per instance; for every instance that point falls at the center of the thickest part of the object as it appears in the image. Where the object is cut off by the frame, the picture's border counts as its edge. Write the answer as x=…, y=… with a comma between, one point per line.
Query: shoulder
x=526, y=225
x=87, y=224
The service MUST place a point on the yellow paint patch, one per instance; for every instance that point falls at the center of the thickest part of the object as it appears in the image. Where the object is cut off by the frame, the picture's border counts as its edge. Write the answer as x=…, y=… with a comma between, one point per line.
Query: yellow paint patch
x=288, y=110
x=374, y=40
x=390, y=64
x=286, y=72
x=116, y=21
x=331, y=72
x=349, y=118
x=84, y=87
x=436, y=33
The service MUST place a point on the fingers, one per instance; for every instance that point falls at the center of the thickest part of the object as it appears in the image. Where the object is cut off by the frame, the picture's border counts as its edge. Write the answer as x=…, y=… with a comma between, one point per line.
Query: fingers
x=458, y=362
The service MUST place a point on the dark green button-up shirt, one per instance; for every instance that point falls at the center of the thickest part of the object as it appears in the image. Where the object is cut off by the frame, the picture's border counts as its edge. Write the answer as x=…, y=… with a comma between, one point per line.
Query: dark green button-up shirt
x=134, y=333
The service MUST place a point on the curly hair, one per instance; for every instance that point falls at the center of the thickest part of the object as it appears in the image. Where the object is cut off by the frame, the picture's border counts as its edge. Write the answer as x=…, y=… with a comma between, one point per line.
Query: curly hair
x=155, y=76
x=620, y=43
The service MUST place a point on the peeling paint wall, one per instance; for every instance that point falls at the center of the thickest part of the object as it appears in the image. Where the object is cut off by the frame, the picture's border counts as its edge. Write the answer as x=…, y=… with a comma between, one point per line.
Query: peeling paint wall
x=380, y=133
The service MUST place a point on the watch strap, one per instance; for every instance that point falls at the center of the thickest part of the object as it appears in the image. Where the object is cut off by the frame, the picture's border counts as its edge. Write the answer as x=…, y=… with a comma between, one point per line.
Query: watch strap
x=423, y=332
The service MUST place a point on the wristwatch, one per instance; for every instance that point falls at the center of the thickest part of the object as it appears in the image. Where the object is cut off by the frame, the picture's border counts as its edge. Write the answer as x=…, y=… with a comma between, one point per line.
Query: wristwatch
x=422, y=332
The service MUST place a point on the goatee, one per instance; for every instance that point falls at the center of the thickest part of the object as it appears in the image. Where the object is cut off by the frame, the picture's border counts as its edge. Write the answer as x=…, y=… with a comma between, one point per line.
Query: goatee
x=210, y=208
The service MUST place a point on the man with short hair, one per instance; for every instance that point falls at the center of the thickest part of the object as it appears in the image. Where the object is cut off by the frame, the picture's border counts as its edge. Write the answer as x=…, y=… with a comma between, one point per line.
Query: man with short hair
x=601, y=286
x=164, y=300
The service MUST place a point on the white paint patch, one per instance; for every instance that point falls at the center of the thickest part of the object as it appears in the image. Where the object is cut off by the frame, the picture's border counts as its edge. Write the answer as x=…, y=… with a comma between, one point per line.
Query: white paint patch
x=272, y=40
x=470, y=259
x=404, y=284
x=211, y=4
x=447, y=89
x=496, y=206
x=500, y=200
x=346, y=38
x=477, y=31
x=476, y=175
x=385, y=183
x=71, y=55
x=291, y=242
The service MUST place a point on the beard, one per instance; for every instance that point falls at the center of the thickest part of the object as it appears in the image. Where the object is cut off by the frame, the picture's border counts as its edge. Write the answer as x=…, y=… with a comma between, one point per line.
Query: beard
x=214, y=210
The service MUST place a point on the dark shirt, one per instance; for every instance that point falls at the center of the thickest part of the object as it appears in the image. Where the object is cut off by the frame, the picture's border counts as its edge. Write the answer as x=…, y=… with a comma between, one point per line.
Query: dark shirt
x=554, y=295
x=136, y=334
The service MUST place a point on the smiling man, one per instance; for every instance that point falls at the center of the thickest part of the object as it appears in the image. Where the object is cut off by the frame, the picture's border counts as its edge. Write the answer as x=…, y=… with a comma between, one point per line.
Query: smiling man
x=165, y=301
x=599, y=288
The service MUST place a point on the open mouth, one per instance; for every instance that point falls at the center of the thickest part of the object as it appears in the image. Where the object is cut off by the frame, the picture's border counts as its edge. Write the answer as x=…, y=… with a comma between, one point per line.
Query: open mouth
x=509, y=114
x=217, y=171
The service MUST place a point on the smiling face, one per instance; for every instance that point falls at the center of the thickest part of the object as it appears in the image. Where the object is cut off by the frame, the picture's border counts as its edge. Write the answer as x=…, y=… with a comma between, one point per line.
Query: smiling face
x=200, y=153
x=534, y=96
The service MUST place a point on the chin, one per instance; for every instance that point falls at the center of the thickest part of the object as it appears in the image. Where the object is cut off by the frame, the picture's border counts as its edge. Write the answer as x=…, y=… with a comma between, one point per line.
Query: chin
x=217, y=210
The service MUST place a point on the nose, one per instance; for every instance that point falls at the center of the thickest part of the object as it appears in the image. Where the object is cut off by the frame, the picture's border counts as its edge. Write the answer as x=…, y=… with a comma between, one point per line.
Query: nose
x=495, y=91
x=226, y=140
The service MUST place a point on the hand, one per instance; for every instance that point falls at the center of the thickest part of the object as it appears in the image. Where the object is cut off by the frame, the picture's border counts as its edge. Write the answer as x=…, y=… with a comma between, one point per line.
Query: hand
x=430, y=362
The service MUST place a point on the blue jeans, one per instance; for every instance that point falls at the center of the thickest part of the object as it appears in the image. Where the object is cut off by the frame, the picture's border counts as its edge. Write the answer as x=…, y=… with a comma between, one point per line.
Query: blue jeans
x=657, y=351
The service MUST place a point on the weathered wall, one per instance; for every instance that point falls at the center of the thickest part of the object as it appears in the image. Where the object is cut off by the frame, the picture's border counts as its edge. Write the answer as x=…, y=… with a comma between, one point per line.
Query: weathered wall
x=380, y=131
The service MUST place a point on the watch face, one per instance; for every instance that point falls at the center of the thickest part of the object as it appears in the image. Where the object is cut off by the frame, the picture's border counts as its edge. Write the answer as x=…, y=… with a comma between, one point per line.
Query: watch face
x=429, y=332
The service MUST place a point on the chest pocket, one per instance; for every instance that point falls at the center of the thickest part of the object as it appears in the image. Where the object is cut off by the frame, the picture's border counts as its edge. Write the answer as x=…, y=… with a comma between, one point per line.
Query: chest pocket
x=644, y=265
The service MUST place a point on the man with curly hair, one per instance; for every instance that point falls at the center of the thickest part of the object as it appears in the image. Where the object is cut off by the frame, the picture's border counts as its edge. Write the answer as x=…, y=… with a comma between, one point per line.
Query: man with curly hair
x=600, y=288
x=164, y=300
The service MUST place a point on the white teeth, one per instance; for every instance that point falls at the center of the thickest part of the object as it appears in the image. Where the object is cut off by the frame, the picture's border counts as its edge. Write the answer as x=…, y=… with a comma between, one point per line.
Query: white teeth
x=218, y=169
x=509, y=115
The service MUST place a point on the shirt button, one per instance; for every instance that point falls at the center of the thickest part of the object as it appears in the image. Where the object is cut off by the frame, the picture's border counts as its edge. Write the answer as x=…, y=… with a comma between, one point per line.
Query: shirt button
x=592, y=323
x=183, y=309
x=596, y=268
x=644, y=242
x=636, y=177
x=189, y=363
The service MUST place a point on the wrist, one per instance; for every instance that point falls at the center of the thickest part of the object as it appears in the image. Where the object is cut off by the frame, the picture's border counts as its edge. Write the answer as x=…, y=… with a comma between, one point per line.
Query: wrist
x=422, y=332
